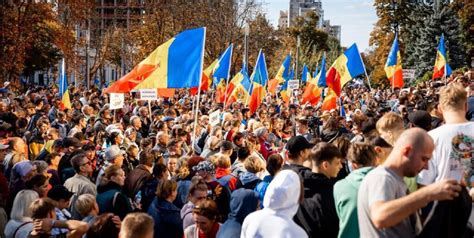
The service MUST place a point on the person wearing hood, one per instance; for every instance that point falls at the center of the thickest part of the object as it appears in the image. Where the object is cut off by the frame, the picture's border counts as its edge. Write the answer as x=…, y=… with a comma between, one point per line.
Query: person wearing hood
x=363, y=158
x=165, y=214
x=242, y=203
x=280, y=205
x=110, y=197
x=317, y=214
x=250, y=178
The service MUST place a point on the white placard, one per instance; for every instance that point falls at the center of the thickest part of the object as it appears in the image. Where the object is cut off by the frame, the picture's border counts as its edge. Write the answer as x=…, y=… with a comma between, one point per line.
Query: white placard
x=408, y=73
x=293, y=84
x=215, y=118
x=117, y=101
x=148, y=94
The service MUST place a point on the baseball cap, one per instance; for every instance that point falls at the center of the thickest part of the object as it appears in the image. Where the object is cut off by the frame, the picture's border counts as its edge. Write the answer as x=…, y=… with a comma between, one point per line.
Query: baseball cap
x=71, y=141
x=420, y=118
x=112, y=152
x=297, y=143
x=59, y=192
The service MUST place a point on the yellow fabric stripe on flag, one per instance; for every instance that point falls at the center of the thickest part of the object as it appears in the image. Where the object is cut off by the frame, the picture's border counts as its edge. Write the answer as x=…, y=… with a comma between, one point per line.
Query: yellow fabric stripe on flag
x=159, y=58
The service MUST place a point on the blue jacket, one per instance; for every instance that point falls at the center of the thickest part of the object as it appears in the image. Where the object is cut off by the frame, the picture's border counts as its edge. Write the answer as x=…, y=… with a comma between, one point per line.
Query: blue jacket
x=167, y=219
x=242, y=202
x=111, y=199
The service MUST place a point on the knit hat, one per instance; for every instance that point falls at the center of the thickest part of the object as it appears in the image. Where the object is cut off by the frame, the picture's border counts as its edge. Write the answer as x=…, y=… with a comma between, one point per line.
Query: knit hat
x=205, y=166
x=22, y=168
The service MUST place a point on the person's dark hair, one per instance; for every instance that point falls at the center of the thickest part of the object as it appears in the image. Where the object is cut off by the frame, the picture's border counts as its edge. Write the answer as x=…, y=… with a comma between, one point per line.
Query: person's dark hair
x=165, y=188
x=237, y=136
x=42, y=207
x=79, y=135
x=37, y=180
x=158, y=170
x=50, y=157
x=343, y=144
x=197, y=184
x=324, y=152
x=88, y=147
x=103, y=226
x=208, y=209
x=77, y=119
x=243, y=153
x=77, y=160
x=147, y=158
x=362, y=154
x=274, y=163
x=145, y=142
x=112, y=136
x=226, y=145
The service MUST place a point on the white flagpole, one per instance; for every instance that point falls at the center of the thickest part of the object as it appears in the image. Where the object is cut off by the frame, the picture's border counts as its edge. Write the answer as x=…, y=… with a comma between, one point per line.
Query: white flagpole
x=228, y=77
x=366, y=75
x=199, y=91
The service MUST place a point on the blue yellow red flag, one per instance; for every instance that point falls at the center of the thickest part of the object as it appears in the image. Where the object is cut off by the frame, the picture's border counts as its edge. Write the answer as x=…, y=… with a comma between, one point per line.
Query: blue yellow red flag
x=63, y=88
x=346, y=67
x=177, y=63
x=441, y=67
x=259, y=80
x=393, y=67
x=239, y=87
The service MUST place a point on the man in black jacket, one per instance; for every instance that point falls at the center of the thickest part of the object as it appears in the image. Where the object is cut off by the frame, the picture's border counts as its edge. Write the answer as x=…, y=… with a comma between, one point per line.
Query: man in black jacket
x=317, y=214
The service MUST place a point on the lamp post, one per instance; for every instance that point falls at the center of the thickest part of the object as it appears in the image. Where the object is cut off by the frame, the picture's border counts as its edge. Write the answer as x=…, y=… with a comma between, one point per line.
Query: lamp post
x=87, y=57
x=246, y=44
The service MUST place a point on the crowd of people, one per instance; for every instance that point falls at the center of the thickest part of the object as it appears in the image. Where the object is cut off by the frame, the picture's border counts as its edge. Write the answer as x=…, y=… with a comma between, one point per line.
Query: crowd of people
x=395, y=163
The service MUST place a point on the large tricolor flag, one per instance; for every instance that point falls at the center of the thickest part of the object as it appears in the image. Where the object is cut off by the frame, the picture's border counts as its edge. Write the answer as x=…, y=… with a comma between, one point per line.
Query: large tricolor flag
x=239, y=87
x=259, y=80
x=222, y=74
x=305, y=75
x=281, y=76
x=63, y=91
x=393, y=67
x=175, y=64
x=441, y=67
x=346, y=67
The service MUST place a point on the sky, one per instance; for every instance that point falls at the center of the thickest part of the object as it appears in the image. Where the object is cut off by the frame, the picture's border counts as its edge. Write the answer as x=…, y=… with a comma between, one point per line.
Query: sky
x=356, y=18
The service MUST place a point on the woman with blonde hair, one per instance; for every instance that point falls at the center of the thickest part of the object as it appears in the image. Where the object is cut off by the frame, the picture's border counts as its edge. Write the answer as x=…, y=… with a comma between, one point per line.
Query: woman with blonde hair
x=110, y=197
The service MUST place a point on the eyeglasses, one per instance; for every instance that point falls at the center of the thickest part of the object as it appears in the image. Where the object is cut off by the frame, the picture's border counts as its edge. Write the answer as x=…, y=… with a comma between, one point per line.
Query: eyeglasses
x=87, y=163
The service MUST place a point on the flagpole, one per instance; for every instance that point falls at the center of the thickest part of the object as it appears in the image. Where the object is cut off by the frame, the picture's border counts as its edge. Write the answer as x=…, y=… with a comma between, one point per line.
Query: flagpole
x=365, y=71
x=199, y=91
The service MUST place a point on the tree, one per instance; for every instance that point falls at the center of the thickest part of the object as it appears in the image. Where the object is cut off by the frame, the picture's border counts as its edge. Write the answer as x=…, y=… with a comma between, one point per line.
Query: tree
x=465, y=10
x=392, y=18
x=424, y=38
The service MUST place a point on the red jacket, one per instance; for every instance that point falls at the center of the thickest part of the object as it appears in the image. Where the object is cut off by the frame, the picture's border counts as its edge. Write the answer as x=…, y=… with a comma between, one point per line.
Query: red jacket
x=222, y=172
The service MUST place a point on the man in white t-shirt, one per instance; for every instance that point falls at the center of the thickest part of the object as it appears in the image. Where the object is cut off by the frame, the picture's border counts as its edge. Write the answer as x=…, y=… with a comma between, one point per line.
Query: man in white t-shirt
x=454, y=141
